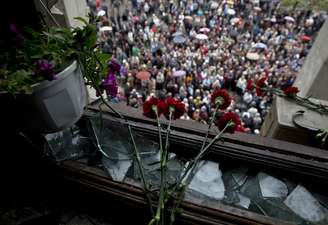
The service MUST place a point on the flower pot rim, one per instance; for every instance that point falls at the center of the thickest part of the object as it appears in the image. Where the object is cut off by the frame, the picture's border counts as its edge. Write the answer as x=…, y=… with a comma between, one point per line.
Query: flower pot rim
x=59, y=76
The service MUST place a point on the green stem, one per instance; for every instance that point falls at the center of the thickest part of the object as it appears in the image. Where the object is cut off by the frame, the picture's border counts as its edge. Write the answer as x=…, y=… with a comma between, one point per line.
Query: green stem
x=168, y=131
x=177, y=204
x=189, y=172
x=306, y=102
x=138, y=159
x=158, y=216
x=164, y=161
x=209, y=126
x=192, y=165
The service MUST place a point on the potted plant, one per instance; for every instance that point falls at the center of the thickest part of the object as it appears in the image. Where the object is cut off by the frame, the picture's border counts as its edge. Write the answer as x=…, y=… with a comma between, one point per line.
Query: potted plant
x=43, y=75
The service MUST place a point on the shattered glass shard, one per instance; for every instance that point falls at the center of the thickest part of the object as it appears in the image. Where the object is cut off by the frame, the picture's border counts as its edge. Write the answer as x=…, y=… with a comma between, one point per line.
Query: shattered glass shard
x=208, y=181
x=305, y=205
x=117, y=169
x=271, y=187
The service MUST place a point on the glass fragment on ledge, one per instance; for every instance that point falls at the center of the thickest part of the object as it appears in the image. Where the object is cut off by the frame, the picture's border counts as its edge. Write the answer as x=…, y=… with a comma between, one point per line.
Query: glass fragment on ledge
x=68, y=144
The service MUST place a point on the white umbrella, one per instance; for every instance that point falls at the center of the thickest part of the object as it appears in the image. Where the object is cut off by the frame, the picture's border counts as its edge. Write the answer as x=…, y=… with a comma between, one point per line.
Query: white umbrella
x=178, y=33
x=289, y=19
x=204, y=29
x=201, y=36
x=230, y=12
x=253, y=56
x=256, y=8
x=179, y=39
x=261, y=45
x=106, y=28
x=101, y=13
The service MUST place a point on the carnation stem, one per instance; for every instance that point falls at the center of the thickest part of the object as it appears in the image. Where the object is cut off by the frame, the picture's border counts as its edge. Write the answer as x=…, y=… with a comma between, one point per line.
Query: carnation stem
x=158, y=217
x=209, y=126
x=189, y=172
x=168, y=131
x=164, y=161
x=305, y=102
x=142, y=174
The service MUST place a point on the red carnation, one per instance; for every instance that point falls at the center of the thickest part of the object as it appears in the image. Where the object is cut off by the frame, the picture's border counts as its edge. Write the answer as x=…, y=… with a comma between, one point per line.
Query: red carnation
x=222, y=122
x=154, y=102
x=249, y=86
x=259, y=85
x=291, y=91
x=178, y=106
x=221, y=97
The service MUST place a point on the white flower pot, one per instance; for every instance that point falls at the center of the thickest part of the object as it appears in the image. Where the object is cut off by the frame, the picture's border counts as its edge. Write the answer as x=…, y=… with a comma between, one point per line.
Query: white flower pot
x=53, y=105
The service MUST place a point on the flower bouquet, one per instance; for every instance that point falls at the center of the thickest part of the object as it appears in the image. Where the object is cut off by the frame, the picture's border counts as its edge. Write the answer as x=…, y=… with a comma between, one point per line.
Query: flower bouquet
x=171, y=196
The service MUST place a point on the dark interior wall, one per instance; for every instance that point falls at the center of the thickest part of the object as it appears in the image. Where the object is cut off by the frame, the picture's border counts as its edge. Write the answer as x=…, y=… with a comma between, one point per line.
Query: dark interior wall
x=20, y=12
x=17, y=154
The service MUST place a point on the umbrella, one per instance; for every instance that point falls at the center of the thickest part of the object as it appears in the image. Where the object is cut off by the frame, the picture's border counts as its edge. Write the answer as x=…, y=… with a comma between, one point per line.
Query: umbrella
x=261, y=45
x=289, y=19
x=178, y=33
x=253, y=56
x=105, y=28
x=179, y=39
x=101, y=13
x=201, y=36
x=214, y=5
x=143, y=75
x=256, y=8
x=305, y=38
x=230, y=12
x=154, y=48
x=179, y=73
x=204, y=29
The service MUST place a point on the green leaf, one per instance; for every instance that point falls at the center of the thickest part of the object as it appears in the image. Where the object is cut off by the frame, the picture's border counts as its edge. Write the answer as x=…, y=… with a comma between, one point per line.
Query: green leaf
x=81, y=19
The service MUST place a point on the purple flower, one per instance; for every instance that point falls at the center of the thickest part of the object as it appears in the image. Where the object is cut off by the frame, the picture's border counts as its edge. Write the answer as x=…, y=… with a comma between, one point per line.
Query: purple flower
x=110, y=84
x=45, y=69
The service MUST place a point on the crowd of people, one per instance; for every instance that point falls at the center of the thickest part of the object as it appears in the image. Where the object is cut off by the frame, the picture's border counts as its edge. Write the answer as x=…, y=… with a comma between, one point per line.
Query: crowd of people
x=187, y=48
